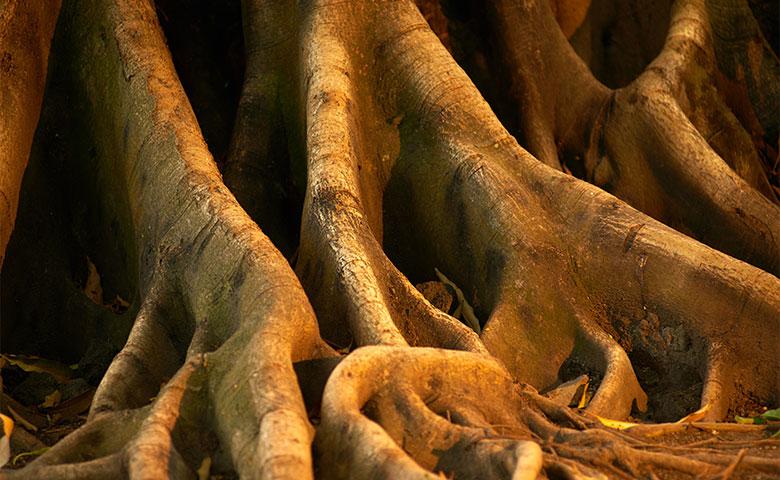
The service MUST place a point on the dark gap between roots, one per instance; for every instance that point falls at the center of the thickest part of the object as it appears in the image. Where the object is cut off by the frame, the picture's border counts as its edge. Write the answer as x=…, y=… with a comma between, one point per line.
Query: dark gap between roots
x=465, y=32
x=767, y=15
x=418, y=254
x=207, y=44
x=70, y=241
x=68, y=288
x=618, y=39
x=669, y=361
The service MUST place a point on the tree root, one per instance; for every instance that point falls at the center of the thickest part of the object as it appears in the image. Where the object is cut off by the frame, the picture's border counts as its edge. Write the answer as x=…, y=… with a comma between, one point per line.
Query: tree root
x=668, y=143
x=25, y=37
x=222, y=314
x=397, y=412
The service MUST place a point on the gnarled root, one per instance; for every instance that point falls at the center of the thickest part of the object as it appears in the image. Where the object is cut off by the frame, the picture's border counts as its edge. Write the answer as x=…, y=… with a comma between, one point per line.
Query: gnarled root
x=408, y=171
x=680, y=143
x=559, y=270
x=400, y=412
x=222, y=314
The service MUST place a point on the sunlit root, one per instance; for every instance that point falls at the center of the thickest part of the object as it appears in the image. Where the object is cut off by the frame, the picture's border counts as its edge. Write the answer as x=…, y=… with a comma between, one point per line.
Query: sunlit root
x=25, y=36
x=390, y=412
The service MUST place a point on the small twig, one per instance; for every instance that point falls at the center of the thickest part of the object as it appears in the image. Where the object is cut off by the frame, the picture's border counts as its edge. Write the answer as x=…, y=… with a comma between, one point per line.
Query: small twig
x=652, y=430
x=34, y=453
x=733, y=466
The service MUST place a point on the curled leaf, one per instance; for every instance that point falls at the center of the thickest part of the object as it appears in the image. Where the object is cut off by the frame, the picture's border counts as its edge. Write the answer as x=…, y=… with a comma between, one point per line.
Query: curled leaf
x=5, y=439
x=34, y=453
x=770, y=416
x=569, y=393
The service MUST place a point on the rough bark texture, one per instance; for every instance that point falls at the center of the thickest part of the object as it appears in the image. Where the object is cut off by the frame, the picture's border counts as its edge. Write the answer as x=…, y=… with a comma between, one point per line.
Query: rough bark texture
x=372, y=161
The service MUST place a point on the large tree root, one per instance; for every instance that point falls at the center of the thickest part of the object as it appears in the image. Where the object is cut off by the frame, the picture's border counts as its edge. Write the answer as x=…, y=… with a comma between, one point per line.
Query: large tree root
x=401, y=413
x=222, y=314
x=25, y=36
x=667, y=143
x=407, y=171
x=541, y=253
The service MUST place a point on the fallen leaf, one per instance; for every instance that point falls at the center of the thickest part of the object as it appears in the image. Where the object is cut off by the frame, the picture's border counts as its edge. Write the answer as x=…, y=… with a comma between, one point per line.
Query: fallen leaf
x=566, y=393
x=204, y=470
x=762, y=419
x=30, y=363
x=20, y=420
x=585, y=397
x=52, y=399
x=93, y=289
x=71, y=408
x=7, y=402
x=616, y=424
x=5, y=440
x=695, y=416
x=772, y=415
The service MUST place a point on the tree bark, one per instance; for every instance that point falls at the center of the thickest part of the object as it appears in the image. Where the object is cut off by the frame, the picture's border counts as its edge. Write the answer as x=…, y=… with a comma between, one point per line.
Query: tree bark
x=25, y=38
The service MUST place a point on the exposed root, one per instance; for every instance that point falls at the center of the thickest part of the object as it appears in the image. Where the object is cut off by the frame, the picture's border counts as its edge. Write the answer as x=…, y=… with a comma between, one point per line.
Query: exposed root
x=518, y=229
x=647, y=143
x=223, y=326
x=342, y=214
x=479, y=424
x=25, y=36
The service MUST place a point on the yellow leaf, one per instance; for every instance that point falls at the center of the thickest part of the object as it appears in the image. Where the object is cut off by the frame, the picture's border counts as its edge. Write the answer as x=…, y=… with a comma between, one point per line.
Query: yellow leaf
x=204, y=470
x=8, y=425
x=584, y=400
x=616, y=424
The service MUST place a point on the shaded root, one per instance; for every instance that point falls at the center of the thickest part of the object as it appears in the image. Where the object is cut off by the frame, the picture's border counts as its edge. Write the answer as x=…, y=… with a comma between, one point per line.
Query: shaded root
x=222, y=316
x=668, y=143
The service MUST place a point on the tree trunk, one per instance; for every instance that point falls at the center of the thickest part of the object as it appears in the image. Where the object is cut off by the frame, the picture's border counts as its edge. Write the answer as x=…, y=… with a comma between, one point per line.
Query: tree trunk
x=371, y=160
